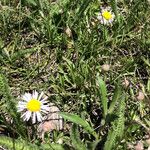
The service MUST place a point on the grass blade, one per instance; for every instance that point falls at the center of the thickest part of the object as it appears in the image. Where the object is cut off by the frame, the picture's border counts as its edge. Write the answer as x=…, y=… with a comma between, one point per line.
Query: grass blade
x=103, y=95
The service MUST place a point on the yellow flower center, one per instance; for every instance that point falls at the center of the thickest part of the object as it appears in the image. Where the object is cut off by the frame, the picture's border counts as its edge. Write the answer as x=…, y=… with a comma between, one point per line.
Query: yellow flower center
x=107, y=15
x=34, y=105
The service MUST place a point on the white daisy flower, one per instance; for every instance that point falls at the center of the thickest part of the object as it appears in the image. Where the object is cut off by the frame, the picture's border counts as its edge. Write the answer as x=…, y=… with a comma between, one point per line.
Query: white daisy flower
x=106, y=16
x=33, y=105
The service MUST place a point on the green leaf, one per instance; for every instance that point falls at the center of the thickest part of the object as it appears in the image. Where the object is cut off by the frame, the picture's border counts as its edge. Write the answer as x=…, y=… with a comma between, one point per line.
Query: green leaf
x=103, y=96
x=117, y=130
x=52, y=146
x=76, y=119
x=7, y=97
x=12, y=144
x=147, y=122
x=83, y=7
x=148, y=85
x=75, y=137
x=146, y=61
x=8, y=105
x=32, y=2
x=20, y=144
x=115, y=98
x=92, y=145
x=21, y=53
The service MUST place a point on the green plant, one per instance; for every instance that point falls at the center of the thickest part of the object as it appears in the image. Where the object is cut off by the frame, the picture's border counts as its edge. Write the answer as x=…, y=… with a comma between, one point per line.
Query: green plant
x=8, y=107
x=118, y=124
x=36, y=53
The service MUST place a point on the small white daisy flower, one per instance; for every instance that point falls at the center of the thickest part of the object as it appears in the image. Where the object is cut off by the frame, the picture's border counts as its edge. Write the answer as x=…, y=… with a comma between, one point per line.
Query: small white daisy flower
x=106, y=16
x=33, y=105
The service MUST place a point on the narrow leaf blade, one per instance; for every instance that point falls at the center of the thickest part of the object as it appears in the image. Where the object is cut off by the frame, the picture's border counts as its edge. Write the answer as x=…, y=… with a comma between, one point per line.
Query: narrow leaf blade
x=103, y=92
x=76, y=119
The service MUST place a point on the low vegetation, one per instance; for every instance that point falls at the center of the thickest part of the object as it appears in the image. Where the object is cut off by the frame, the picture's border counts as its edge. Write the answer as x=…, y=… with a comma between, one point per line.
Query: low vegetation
x=91, y=60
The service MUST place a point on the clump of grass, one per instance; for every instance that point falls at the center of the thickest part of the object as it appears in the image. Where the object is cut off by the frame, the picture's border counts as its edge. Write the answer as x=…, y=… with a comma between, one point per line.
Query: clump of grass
x=37, y=52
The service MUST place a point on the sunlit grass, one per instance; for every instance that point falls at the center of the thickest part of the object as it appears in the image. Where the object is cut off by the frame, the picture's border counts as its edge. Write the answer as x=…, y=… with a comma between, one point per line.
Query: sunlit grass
x=98, y=74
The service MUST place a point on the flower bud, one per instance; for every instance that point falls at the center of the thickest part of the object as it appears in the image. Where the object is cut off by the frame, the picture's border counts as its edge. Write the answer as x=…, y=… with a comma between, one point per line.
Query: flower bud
x=126, y=83
x=68, y=32
x=140, y=96
x=106, y=67
x=139, y=146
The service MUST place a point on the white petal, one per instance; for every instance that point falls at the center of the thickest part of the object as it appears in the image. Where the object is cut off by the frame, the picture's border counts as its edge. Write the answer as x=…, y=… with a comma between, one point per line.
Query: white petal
x=24, y=114
x=35, y=95
x=40, y=96
x=44, y=102
x=28, y=115
x=21, y=106
x=39, y=117
x=44, y=111
x=113, y=16
x=45, y=107
x=26, y=97
x=22, y=103
x=46, y=97
x=105, y=22
x=34, y=117
x=20, y=109
x=99, y=17
x=102, y=21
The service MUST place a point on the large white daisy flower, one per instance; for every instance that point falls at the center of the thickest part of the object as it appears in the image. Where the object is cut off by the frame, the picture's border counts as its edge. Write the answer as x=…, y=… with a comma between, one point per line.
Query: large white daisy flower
x=33, y=106
x=106, y=16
